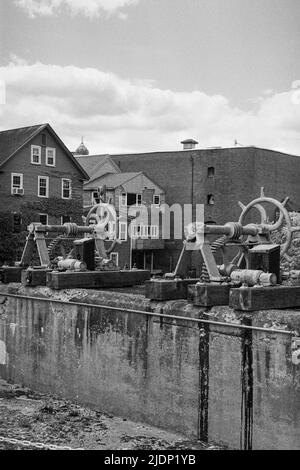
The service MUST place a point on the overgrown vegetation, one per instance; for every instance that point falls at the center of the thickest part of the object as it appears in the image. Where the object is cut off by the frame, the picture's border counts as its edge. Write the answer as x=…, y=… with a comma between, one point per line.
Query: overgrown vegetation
x=56, y=207
x=12, y=237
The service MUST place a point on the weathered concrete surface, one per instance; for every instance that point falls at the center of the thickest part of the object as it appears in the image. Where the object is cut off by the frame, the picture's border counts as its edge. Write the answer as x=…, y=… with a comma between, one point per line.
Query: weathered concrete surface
x=35, y=417
x=234, y=387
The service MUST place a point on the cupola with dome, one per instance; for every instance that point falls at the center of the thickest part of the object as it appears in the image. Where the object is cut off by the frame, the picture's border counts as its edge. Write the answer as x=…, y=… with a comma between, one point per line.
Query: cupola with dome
x=82, y=149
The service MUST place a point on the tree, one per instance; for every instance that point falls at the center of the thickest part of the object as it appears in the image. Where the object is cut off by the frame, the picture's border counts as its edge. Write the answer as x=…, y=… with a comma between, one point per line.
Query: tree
x=13, y=226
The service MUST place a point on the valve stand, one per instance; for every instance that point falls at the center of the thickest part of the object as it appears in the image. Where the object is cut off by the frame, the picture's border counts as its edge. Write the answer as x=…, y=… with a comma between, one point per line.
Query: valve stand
x=252, y=279
x=87, y=265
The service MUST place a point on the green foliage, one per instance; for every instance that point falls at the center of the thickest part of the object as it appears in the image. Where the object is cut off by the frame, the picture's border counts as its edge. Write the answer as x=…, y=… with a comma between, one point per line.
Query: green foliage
x=56, y=207
x=12, y=244
x=9, y=241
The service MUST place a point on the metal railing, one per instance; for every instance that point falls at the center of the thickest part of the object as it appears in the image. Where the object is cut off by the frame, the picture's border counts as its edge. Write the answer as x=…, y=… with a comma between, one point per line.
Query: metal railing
x=155, y=314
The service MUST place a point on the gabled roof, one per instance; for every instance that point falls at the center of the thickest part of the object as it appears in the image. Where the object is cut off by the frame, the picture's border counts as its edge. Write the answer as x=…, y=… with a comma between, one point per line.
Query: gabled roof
x=13, y=140
x=112, y=180
x=89, y=162
x=92, y=164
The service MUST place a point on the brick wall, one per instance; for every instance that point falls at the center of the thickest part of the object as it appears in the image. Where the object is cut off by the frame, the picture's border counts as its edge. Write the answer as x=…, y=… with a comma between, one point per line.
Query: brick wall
x=239, y=173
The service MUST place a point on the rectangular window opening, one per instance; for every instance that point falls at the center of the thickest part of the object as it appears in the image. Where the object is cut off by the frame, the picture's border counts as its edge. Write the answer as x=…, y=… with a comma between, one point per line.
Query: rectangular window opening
x=65, y=219
x=210, y=172
x=36, y=154
x=44, y=219
x=123, y=231
x=156, y=200
x=210, y=199
x=43, y=186
x=123, y=199
x=66, y=188
x=50, y=156
x=115, y=258
x=17, y=183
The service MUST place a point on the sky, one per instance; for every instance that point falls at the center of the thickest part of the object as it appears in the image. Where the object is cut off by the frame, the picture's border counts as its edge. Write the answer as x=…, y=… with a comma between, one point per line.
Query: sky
x=142, y=75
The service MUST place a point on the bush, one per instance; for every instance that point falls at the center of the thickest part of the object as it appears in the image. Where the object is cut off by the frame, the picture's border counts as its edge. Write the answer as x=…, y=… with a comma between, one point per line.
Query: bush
x=9, y=241
x=12, y=243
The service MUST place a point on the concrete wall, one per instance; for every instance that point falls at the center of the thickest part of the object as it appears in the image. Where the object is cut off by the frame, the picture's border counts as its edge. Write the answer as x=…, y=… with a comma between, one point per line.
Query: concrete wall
x=220, y=384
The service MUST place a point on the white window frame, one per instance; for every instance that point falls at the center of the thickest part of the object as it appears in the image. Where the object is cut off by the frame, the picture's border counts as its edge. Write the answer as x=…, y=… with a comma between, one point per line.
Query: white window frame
x=47, y=186
x=62, y=188
x=122, y=224
x=123, y=197
x=115, y=254
x=94, y=202
x=135, y=231
x=137, y=203
x=33, y=147
x=46, y=216
x=54, y=156
x=20, y=175
x=159, y=199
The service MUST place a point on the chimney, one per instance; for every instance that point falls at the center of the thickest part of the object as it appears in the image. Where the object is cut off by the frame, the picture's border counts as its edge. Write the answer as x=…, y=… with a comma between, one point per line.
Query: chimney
x=189, y=144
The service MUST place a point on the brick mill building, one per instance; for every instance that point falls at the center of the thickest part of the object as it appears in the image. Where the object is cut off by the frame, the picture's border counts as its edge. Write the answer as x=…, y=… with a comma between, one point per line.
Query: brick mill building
x=217, y=178
x=35, y=166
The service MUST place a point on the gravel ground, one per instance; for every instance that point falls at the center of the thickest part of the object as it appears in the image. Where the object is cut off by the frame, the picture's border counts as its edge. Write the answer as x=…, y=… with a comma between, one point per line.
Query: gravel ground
x=39, y=418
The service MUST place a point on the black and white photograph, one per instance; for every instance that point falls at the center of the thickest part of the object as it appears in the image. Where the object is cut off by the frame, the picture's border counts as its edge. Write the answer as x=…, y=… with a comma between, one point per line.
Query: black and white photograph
x=150, y=228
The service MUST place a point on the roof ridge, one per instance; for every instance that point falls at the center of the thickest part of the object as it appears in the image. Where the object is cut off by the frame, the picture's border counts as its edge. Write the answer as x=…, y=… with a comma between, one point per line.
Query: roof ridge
x=122, y=173
x=24, y=127
x=9, y=145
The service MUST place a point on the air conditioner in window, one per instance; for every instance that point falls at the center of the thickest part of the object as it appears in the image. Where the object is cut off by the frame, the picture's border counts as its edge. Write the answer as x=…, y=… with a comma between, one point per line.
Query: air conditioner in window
x=18, y=191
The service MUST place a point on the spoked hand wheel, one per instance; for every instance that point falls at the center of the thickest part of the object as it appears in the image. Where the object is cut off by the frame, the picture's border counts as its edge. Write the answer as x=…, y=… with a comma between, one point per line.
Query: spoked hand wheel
x=103, y=217
x=284, y=219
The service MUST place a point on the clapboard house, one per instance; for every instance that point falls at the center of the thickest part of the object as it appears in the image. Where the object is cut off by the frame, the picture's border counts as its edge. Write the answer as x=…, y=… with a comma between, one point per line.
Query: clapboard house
x=140, y=242
x=35, y=167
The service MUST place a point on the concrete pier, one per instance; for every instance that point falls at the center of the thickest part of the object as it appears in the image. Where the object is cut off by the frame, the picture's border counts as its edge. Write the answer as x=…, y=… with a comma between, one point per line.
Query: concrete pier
x=232, y=386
